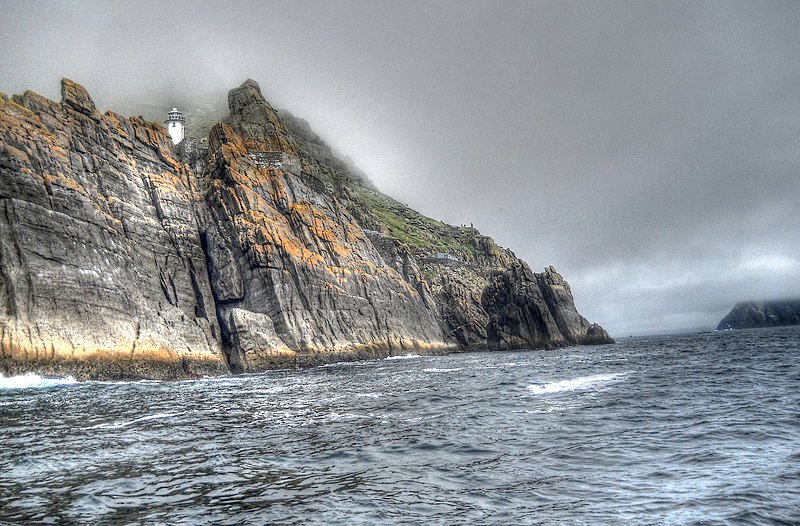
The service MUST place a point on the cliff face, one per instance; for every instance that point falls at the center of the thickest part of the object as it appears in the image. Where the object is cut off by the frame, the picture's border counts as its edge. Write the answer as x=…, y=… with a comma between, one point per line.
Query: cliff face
x=288, y=262
x=124, y=256
x=753, y=314
x=100, y=253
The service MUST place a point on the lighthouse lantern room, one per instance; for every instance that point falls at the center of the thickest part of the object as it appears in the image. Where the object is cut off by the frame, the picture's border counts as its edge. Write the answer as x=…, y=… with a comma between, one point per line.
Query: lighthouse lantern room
x=175, y=125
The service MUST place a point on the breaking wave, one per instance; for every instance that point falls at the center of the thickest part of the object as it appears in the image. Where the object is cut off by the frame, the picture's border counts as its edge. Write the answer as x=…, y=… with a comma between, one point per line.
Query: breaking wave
x=582, y=382
x=33, y=381
x=117, y=425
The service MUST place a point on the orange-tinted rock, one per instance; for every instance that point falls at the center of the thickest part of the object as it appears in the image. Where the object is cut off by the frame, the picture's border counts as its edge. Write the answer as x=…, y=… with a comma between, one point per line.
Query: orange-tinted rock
x=304, y=263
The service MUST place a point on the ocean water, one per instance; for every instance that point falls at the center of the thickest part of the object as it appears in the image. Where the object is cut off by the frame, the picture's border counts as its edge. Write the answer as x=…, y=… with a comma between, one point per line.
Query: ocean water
x=697, y=429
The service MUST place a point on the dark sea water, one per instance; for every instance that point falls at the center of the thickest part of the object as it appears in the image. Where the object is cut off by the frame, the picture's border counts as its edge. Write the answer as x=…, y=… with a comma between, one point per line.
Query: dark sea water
x=700, y=429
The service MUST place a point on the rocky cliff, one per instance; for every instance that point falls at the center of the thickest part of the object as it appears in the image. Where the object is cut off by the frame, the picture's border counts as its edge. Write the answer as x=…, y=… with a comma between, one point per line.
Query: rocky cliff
x=751, y=314
x=122, y=255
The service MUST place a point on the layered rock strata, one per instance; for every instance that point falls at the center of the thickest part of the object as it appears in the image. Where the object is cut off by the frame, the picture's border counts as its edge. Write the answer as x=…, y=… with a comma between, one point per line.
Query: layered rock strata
x=100, y=253
x=122, y=255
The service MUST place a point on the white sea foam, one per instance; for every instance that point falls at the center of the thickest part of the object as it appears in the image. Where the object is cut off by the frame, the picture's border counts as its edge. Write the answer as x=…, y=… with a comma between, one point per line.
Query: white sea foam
x=123, y=382
x=117, y=425
x=403, y=357
x=353, y=363
x=32, y=381
x=582, y=382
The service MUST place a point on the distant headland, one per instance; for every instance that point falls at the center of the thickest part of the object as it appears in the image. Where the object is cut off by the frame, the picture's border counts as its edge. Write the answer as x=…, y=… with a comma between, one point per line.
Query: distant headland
x=751, y=314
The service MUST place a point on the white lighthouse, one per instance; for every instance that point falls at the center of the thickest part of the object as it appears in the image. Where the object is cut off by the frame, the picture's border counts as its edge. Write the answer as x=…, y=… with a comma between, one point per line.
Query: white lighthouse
x=175, y=125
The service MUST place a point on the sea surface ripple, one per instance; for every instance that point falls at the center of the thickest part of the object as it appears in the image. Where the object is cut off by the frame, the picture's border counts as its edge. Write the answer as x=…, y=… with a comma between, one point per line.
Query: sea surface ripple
x=695, y=429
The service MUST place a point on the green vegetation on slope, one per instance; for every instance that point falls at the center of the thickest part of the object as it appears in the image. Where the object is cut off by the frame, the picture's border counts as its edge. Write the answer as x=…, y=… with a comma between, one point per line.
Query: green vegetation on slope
x=423, y=236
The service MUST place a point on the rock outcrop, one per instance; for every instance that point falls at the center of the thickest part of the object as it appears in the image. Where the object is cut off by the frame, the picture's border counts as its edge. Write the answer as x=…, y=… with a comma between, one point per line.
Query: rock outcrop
x=752, y=314
x=529, y=310
x=122, y=255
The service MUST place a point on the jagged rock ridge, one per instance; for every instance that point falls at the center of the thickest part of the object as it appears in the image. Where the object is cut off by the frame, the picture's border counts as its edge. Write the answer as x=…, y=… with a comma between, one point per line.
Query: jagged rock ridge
x=124, y=256
x=752, y=314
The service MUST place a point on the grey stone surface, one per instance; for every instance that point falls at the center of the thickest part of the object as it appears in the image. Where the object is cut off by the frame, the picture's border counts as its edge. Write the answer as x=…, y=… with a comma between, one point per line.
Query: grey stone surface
x=530, y=310
x=100, y=255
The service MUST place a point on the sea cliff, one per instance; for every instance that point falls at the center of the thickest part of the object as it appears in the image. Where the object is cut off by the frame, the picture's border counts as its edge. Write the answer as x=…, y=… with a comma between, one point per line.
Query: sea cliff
x=752, y=314
x=125, y=256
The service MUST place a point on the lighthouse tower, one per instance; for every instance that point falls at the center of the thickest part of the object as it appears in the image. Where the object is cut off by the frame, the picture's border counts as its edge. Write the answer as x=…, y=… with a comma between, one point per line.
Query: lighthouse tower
x=175, y=125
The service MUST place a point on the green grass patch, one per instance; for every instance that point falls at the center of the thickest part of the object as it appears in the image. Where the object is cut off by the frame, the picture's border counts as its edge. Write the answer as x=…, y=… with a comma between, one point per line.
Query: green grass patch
x=421, y=234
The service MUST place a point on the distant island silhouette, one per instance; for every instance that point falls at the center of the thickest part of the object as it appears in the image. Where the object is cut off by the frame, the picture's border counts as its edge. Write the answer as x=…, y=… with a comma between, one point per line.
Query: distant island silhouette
x=751, y=314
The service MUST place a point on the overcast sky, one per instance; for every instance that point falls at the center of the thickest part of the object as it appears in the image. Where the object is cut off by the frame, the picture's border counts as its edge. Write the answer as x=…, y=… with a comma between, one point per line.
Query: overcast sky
x=650, y=151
